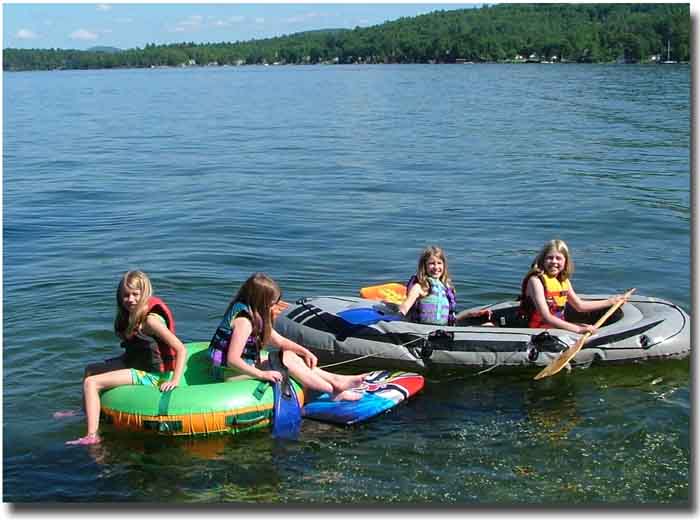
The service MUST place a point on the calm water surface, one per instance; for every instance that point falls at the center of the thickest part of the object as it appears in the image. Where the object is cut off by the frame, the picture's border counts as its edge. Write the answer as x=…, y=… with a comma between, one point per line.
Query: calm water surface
x=330, y=179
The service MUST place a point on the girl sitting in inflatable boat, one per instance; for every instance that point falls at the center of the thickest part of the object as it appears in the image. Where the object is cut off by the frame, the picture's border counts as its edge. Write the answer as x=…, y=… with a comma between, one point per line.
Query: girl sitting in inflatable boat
x=247, y=327
x=154, y=355
x=547, y=288
x=430, y=295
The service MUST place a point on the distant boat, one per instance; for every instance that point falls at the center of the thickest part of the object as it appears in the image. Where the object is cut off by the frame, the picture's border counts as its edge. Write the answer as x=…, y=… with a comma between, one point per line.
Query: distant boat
x=668, y=61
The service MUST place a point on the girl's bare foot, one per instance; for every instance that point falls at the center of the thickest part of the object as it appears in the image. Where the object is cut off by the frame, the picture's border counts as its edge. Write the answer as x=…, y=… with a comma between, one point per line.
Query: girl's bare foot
x=62, y=414
x=347, y=395
x=90, y=438
x=349, y=382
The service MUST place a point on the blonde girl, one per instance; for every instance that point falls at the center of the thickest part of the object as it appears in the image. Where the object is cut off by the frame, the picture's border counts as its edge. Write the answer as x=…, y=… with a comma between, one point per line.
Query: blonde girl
x=246, y=328
x=153, y=354
x=547, y=289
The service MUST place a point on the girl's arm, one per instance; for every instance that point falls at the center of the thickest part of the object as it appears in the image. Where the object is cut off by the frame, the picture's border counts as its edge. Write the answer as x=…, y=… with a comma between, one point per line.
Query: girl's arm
x=591, y=305
x=535, y=290
x=242, y=329
x=154, y=327
x=414, y=293
x=283, y=343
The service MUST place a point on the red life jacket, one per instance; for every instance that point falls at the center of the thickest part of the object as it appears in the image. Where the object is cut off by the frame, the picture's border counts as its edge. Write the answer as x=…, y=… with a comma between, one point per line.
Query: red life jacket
x=148, y=354
x=555, y=292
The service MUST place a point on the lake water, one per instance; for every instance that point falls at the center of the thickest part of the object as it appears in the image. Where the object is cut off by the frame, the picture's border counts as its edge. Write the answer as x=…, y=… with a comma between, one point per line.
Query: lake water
x=331, y=178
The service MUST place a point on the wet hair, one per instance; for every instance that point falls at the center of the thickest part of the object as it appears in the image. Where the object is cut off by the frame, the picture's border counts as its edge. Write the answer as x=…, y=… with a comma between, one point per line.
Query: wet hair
x=127, y=323
x=259, y=292
x=422, y=271
x=537, y=267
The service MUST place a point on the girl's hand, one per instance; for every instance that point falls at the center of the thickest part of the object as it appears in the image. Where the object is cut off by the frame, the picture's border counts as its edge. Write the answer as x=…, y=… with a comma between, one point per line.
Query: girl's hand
x=273, y=376
x=168, y=385
x=614, y=299
x=582, y=329
x=310, y=360
x=283, y=344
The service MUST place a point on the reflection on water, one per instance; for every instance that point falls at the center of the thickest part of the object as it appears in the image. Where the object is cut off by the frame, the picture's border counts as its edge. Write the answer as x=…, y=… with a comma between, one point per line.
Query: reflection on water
x=552, y=418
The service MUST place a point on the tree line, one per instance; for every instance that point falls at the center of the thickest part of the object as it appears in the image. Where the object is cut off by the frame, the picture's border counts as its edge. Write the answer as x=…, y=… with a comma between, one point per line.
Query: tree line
x=579, y=33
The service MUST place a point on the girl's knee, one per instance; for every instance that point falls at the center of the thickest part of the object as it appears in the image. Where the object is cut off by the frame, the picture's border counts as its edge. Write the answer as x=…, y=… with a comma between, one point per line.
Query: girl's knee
x=89, y=383
x=99, y=382
x=289, y=357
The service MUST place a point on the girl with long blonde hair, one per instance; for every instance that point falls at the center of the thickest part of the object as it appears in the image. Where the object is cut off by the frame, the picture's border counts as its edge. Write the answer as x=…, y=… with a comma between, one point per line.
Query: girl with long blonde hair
x=547, y=289
x=430, y=296
x=153, y=354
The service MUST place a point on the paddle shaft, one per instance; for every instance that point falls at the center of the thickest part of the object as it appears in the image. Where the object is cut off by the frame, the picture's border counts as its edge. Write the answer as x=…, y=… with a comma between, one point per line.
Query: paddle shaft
x=559, y=363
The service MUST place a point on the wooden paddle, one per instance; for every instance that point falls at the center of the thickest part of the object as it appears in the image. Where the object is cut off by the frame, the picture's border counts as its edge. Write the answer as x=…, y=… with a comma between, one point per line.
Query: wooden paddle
x=392, y=292
x=559, y=363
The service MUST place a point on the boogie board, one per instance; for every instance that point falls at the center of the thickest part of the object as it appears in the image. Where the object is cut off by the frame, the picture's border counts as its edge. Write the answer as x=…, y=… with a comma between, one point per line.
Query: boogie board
x=382, y=390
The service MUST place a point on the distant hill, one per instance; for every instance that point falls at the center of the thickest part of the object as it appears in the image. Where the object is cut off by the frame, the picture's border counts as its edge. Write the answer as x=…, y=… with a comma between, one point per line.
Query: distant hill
x=104, y=49
x=500, y=33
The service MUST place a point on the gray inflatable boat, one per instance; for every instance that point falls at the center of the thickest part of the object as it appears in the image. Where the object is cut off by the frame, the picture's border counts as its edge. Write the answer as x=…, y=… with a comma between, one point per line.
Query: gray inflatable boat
x=367, y=333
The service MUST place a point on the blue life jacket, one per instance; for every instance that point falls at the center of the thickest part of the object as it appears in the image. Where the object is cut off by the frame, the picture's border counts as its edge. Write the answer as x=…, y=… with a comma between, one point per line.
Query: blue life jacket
x=218, y=346
x=437, y=308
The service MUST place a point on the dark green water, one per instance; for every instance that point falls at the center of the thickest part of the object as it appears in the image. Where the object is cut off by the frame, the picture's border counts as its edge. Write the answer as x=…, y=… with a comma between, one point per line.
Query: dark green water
x=330, y=179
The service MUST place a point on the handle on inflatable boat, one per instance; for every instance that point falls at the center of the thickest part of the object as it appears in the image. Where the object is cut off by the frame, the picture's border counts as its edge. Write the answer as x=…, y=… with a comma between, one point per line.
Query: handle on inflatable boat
x=559, y=363
x=392, y=292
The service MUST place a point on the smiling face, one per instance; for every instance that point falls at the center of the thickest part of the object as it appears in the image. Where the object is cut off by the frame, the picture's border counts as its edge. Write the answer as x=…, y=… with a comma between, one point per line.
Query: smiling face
x=554, y=263
x=434, y=266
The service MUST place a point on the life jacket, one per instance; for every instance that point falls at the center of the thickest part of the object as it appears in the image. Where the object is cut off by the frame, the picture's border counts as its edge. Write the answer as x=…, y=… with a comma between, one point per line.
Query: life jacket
x=556, y=295
x=218, y=346
x=437, y=308
x=146, y=353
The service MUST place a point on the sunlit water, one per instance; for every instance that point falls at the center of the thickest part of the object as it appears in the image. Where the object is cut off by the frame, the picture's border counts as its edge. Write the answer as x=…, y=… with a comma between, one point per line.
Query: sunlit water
x=330, y=179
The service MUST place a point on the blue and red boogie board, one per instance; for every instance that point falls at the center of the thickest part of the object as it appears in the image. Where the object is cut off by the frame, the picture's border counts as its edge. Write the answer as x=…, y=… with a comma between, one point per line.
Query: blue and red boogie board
x=382, y=390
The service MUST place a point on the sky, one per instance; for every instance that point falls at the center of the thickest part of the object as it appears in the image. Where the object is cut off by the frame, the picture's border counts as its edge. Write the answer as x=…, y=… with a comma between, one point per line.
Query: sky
x=134, y=25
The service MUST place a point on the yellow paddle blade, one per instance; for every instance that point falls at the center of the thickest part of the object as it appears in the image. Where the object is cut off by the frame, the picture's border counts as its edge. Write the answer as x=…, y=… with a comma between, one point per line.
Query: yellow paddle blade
x=392, y=292
x=566, y=356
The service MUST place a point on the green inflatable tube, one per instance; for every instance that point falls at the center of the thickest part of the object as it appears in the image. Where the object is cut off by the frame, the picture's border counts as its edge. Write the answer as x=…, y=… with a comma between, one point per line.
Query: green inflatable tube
x=199, y=405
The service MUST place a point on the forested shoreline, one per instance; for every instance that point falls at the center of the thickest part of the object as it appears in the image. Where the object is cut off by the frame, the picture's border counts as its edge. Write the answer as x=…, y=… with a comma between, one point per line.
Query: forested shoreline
x=502, y=33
